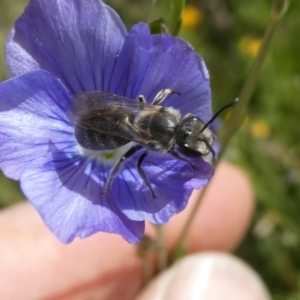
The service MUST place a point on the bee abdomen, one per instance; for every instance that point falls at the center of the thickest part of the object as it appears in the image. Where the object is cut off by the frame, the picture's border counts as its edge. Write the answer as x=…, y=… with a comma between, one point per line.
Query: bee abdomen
x=93, y=140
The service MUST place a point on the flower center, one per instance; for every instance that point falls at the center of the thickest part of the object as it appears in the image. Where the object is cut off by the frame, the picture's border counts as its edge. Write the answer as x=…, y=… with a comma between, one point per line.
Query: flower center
x=109, y=157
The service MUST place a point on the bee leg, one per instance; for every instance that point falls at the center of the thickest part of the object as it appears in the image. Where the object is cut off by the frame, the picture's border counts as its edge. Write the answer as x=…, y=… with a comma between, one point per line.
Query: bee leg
x=186, y=116
x=116, y=167
x=211, y=150
x=143, y=174
x=177, y=156
x=213, y=153
x=141, y=99
x=162, y=95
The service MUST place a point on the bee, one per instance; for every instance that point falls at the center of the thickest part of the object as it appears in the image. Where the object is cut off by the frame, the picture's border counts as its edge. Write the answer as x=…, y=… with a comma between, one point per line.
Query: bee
x=105, y=121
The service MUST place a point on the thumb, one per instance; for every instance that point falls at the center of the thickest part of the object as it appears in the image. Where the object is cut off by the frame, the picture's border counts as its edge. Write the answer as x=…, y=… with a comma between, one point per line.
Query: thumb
x=209, y=276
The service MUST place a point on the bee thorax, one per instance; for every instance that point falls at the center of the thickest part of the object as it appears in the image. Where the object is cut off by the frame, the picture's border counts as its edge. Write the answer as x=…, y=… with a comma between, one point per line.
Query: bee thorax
x=158, y=127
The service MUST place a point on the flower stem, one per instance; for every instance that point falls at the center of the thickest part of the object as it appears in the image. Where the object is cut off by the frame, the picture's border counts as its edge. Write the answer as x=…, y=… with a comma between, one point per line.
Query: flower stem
x=176, y=8
x=278, y=9
x=161, y=248
x=153, y=3
x=148, y=269
x=144, y=249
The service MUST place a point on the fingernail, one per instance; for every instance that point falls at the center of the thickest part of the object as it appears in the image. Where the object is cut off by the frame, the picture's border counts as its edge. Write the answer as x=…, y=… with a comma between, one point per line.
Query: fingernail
x=209, y=276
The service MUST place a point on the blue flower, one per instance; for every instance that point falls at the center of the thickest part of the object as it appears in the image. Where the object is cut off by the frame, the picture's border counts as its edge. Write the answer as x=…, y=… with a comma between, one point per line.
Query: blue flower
x=59, y=48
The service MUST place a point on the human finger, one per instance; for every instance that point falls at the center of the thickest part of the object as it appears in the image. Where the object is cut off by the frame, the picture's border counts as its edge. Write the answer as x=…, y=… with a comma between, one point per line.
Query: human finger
x=209, y=276
x=224, y=214
x=102, y=265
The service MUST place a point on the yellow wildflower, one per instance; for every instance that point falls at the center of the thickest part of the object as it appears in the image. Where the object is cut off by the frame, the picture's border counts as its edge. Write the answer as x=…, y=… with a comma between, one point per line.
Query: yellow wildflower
x=249, y=45
x=260, y=129
x=191, y=17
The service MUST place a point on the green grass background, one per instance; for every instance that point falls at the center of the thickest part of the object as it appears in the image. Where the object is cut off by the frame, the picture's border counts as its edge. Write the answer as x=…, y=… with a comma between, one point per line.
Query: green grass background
x=273, y=162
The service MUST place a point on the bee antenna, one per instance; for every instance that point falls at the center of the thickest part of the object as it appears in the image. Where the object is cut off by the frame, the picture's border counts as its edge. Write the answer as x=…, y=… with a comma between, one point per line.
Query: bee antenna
x=219, y=112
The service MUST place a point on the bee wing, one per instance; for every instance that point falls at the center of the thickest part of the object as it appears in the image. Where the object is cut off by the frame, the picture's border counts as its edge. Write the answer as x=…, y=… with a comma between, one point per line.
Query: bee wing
x=107, y=114
x=112, y=125
x=96, y=103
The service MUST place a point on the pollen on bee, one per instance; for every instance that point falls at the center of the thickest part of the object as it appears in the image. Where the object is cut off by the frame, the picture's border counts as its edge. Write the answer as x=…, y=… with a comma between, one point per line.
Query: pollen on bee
x=108, y=155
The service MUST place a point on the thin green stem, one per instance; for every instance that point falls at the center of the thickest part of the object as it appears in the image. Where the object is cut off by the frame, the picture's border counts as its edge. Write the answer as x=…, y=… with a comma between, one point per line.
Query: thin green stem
x=248, y=88
x=161, y=248
x=144, y=249
x=153, y=2
x=279, y=6
x=148, y=269
x=177, y=7
x=177, y=252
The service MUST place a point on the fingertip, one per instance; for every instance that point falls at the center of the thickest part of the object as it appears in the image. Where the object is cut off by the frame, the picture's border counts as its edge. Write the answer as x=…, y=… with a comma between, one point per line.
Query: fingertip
x=207, y=276
x=102, y=266
x=226, y=211
x=224, y=214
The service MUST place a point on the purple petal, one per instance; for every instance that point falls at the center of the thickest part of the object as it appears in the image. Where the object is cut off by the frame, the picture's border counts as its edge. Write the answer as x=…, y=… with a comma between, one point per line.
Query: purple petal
x=172, y=181
x=77, y=41
x=148, y=64
x=32, y=112
x=67, y=194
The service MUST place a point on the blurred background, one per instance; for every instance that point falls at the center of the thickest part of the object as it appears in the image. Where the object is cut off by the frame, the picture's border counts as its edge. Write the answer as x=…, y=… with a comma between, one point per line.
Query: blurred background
x=228, y=33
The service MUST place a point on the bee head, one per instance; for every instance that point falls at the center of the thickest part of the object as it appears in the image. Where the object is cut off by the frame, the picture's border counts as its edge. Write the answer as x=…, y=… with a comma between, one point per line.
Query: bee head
x=193, y=138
